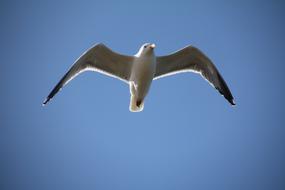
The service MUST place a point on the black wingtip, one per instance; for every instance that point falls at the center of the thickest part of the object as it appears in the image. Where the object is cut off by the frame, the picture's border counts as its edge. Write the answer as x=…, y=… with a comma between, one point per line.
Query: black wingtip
x=45, y=102
x=232, y=102
x=225, y=91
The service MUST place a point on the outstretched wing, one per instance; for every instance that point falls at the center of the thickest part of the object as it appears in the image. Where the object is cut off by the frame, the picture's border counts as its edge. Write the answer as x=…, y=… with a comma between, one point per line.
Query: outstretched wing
x=98, y=58
x=191, y=59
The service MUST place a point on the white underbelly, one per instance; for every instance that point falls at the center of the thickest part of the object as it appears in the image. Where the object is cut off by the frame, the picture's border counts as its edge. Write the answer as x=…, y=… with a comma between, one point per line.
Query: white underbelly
x=142, y=77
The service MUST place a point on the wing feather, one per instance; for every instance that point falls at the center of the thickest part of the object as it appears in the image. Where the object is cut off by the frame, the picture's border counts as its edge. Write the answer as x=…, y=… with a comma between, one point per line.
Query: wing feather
x=191, y=59
x=98, y=58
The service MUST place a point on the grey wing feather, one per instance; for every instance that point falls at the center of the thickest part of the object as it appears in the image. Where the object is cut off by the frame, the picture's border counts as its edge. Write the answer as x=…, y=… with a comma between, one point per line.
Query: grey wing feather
x=191, y=59
x=98, y=58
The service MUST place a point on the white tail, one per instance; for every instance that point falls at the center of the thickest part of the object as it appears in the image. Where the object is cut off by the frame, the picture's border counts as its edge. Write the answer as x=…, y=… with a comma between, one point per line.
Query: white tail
x=133, y=105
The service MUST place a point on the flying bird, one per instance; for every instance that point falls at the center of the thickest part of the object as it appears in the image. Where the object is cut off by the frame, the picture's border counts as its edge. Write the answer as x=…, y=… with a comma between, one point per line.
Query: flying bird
x=140, y=70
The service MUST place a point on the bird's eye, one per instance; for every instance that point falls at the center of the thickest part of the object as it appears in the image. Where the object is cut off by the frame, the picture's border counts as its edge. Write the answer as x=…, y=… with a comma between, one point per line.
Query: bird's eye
x=144, y=46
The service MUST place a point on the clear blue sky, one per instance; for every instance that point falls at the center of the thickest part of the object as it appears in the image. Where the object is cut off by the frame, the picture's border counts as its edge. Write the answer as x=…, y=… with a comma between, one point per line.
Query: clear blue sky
x=187, y=137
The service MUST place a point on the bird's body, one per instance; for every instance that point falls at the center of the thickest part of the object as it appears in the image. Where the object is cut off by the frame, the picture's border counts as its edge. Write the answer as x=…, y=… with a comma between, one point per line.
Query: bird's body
x=141, y=69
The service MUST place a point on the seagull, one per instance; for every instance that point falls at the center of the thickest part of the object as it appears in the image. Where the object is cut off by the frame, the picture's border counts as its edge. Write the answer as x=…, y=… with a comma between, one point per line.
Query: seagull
x=140, y=70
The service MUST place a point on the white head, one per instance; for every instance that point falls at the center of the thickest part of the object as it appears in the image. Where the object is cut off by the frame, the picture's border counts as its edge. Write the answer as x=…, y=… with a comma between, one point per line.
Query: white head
x=146, y=49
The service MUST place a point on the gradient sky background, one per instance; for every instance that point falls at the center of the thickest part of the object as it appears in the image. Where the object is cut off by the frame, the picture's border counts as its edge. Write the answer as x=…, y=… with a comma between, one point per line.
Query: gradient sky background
x=187, y=137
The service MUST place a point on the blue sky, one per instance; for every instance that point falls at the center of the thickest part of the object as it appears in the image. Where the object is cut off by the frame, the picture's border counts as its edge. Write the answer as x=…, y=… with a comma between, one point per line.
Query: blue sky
x=187, y=137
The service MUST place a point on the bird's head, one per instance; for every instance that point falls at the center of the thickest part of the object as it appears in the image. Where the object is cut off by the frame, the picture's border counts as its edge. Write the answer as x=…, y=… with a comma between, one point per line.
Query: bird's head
x=146, y=49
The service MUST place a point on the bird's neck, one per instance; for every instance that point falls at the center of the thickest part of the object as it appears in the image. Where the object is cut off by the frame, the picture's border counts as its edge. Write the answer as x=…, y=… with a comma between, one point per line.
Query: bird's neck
x=145, y=54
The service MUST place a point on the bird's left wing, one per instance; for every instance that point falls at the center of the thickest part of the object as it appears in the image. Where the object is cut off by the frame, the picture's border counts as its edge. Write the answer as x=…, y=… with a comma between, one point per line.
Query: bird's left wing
x=191, y=59
x=98, y=58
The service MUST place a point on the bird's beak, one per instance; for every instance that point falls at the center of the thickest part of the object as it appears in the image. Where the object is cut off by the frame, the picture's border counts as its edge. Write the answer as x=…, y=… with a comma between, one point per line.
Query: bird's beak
x=152, y=46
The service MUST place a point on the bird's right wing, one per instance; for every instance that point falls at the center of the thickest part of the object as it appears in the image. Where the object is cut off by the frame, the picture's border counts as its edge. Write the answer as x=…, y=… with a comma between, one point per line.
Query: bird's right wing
x=98, y=58
x=191, y=59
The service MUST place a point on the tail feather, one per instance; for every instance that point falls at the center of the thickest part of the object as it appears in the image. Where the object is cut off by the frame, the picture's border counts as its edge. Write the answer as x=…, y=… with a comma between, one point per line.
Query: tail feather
x=136, y=105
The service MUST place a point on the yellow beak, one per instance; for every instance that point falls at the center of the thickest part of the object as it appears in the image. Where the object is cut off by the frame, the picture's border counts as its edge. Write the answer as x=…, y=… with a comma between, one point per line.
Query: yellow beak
x=152, y=46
